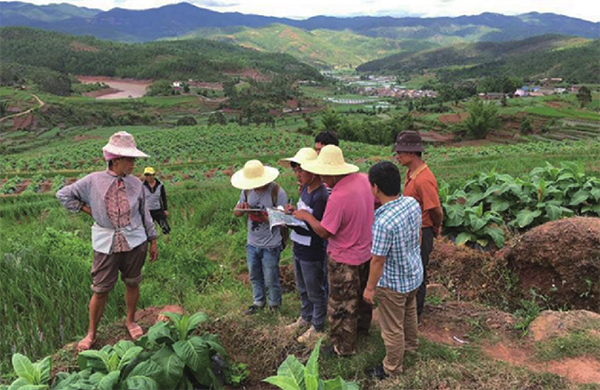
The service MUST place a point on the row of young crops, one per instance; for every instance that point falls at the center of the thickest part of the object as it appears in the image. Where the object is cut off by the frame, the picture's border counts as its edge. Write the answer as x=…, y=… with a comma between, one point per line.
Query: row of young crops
x=232, y=143
x=172, y=146
x=482, y=209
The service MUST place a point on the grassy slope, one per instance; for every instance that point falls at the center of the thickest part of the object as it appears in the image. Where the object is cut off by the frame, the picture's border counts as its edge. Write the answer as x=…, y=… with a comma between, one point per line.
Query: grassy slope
x=325, y=48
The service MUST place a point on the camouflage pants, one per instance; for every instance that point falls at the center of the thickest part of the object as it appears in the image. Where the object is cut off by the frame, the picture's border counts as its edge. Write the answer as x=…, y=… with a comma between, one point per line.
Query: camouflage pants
x=348, y=313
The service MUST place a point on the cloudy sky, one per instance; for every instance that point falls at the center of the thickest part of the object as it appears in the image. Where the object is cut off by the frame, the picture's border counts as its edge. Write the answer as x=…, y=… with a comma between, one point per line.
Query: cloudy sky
x=583, y=9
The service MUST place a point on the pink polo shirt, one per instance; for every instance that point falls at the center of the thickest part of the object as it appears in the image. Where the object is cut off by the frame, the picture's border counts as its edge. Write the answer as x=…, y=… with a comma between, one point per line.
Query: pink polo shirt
x=349, y=217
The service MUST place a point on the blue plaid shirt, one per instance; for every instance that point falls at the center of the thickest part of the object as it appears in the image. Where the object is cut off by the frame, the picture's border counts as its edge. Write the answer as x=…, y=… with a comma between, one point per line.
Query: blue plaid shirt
x=396, y=233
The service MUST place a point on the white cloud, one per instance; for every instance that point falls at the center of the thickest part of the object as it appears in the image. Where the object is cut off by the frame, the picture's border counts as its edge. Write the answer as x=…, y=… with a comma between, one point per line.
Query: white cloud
x=583, y=9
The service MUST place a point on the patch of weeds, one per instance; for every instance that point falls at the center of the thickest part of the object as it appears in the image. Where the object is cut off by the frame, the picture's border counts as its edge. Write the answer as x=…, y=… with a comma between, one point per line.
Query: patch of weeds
x=477, y=328
x=370, y=352
x=434, y=300
x=527, y=313
x=579, y=343
x=589, y=285
x=469, y=370
x=237, y=374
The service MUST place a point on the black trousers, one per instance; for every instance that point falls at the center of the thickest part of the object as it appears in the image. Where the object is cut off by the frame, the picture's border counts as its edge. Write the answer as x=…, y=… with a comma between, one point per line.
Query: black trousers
x=160, y=218
x=426, y=248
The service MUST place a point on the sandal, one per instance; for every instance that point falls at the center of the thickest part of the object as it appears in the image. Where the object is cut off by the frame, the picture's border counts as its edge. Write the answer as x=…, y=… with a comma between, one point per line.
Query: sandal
x=135, y=331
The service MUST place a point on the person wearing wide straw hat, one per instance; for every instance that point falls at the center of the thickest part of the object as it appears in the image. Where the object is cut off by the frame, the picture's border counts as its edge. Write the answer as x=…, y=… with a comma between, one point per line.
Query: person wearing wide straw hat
x=310, y=254
x=156, y=197
x=346, y=224
x=421, y=185
x=122, y=229
x=259, y=192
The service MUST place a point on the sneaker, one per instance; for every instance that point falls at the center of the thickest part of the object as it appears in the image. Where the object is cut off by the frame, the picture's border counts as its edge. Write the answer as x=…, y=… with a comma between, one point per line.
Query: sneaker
x=311, y=336
x=299, y=324
x=274, y=308
x=376, y=373
x=253, y=310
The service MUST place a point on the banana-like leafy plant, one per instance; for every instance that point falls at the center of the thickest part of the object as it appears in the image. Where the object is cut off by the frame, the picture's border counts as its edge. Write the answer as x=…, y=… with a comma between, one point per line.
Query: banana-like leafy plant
x=293, y=375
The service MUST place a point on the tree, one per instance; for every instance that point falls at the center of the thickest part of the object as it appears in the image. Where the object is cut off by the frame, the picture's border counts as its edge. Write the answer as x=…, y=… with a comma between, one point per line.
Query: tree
x=526, y=125
x=160, y=88
x=331, y=120
x=483, y=118
x=3, y=107
x=584, y=96
x=217, y=118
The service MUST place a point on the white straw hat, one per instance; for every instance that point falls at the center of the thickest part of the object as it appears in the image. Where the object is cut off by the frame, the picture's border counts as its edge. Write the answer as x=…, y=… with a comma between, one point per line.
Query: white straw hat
x=302, y=156
x=253, y=175
x=330, y=163
x=122, y=144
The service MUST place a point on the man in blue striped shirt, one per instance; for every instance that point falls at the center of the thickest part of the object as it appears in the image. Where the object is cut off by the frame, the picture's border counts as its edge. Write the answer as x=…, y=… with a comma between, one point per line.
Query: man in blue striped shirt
x=396, y=268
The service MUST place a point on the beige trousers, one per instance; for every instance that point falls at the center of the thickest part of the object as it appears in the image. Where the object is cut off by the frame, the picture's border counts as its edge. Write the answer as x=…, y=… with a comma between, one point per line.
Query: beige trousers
x=398, y=323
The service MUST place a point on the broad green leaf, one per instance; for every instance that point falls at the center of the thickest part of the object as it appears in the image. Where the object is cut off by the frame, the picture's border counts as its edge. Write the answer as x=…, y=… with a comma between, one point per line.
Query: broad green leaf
x=312, y=366
x=64, y=381
x=526, y=217
x=477, y=223
x=594, y=209
x=109, y=381
x=19, y=383
x=131, y=354
x=113, y=362
x=175, y=317
x=283, y=382
x=147, y=369
x=292, y=368
x=203, y=374
x=172, y=367
x=595, y=193
x=24, y=368
x=45, y=369
x=311, y=382
x=141, y=382
x=195, y=320
x=499, y=205
x=33, y=387
x=122, y=346
x=496, y=234
x=339, y=384
x=96, y=377
x=160, y=333
x=553, y=212
x=186, y=352
x=579, y=197
x=213, y=341
x=483, y=242
x=463, y=238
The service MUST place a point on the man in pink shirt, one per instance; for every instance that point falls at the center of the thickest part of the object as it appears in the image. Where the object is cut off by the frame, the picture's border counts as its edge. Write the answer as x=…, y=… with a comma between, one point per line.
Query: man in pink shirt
x=347, y=225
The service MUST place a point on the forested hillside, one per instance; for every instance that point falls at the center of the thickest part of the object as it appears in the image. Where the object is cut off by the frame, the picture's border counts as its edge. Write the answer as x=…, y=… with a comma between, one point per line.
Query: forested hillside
x=547, y=55
x=199, y=59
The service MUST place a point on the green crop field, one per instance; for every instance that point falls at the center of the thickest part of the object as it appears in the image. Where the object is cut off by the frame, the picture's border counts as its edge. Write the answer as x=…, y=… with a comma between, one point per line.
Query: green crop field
x=199, y=267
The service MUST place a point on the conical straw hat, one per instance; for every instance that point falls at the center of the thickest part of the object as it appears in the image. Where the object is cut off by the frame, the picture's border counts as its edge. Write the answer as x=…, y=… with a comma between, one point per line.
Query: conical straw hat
x=302, y=156
x=253, y=175
x=330, y=163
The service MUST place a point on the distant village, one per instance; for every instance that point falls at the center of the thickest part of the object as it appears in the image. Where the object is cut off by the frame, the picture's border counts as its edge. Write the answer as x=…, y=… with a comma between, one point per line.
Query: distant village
x=386, y=86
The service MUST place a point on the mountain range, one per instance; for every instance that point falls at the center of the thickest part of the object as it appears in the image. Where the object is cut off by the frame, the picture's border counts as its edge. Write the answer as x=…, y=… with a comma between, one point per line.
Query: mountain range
x=180, y=19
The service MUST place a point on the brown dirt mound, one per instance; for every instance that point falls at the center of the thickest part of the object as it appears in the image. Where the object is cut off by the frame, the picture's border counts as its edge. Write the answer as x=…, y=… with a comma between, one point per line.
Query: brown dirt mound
x=562, y=260
x=466, y=272
x=552, y=324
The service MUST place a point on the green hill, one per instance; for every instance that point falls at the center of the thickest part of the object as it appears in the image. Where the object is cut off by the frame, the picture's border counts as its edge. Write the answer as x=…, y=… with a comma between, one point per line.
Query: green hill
x=198, y=58
x=321, y=48
x=548, y=55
